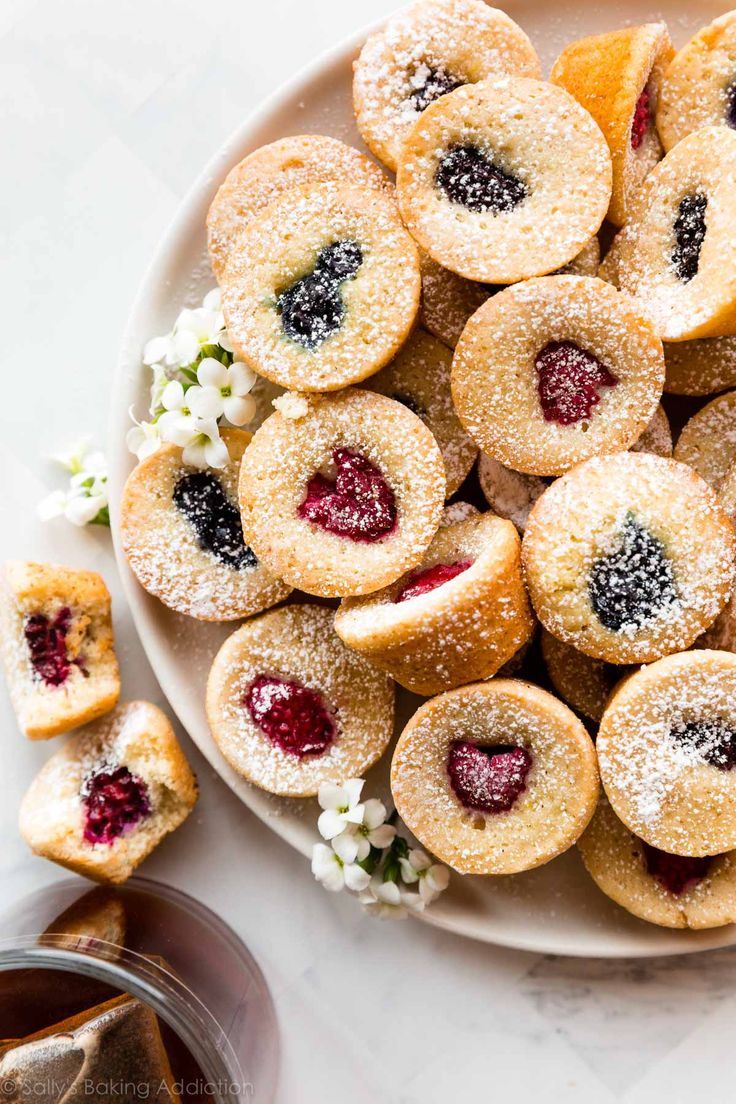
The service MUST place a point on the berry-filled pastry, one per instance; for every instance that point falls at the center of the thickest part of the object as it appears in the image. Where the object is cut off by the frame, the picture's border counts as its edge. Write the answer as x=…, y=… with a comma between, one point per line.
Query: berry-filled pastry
x=424, y=52
x=629, y=557
x=555, y=370
x=458, y=617
x=495, y=778
x=700, y=367
x=344, y=495
x=102, y=804
x=322, y=288
x=57, y=646
x=419, y=378
x=667, y=749
x=708, y=440
x=657, y=437
x=677, y=253
x=503, y=180
x=583, y=682
x=674, y=891
x=617, y=77
x=699, y=87
x=290, y=706
x=180, y=529
x=269, y=172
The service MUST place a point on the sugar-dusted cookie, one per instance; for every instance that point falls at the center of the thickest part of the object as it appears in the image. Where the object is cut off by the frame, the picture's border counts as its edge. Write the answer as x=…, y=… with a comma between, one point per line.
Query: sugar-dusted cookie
x=708, y=440
x=699, y=87
x=583, y=682
x=700, y=367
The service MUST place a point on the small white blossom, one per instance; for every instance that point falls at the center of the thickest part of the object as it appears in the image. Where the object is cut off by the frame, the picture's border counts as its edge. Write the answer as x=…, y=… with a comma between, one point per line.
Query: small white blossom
x=206, y=449
x=356, y=840
x=334, y=874
x=144, y=439
x=341, y=806
x=227, y=390
x=86, y=498
x=432, y=877
x=385, y=900
x=193, y=329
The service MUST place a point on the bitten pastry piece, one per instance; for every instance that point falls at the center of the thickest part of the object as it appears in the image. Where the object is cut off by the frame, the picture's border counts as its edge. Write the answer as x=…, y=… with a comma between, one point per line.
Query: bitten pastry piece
x=290, y=706
x=553, y=371
x=699, y=87
x=617, y=77
x=629, y=557
x=708, y=441
x=344, y=495
x=419, y=378
x=323, y=287
x=269, y=172
x=583, y=682
x=677, y=253
x=181, y=531
x=458, y=617
x=424, y=52
x=503, y=180
x=674, y=891
x=667, y=748
x=103, y=803
x=495, y=778
x=57, y=646
x=700, y=367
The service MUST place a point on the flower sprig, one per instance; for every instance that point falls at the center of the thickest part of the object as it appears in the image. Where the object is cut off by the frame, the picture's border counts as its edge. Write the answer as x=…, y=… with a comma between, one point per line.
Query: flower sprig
x=85, y=500
x=365, y=854
x=197, y=386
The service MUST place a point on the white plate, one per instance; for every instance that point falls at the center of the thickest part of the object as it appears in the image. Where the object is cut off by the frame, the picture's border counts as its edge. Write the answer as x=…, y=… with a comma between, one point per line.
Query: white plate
x=555, y=909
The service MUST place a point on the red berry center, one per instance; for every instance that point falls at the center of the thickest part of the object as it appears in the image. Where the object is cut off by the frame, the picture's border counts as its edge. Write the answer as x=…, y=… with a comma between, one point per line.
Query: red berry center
x=46, y=641
x=293, y=717
x=422, y=582
x=642, y=120
x=114, y=801
x=569, y=379
x=488, y=779
x=358, y=503
x=676, y=873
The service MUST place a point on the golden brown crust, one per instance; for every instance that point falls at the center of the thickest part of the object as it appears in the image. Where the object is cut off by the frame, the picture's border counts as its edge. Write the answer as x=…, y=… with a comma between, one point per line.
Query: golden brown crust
x=707, y=442
x=700, y=367
x=584, y=683
x=695, y=87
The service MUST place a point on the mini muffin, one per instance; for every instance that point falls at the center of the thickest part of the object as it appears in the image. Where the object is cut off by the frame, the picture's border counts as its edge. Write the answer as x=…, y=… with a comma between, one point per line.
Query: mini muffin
x=504, y=180
x=459, y=617
x=657, y=437
x=495, y=778
x=323, y=287
x=419, y=378
x=699, y=87
x=700, y=367
x=584, y=683
x=708, y=441
x=180, y=529
x=677, y=254
x=617, y=77
x=721, y=636
x=727, y=492
x=553, y=371
x=102, y=804
x=424, y=52
x=667, y=748
x=57, y=646
x=674, y=891
x=269, y=172
x=344, y=495
x=290, y=706
x=629, y=557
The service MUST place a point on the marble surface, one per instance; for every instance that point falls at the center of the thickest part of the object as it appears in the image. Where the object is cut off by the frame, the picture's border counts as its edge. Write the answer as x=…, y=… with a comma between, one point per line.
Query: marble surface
x=109, y=112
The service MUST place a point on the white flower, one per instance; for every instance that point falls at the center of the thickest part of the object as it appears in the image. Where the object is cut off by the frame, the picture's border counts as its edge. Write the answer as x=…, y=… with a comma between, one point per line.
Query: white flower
x=72, y=458
x=226, y=390
x=329, y=869
x=433, y=878
x=355, y=841
x=178, y=423
x=341, y=806
x=144, y=439
x=387, y=901
x=192, y=330
x=206, y=449
x=86, y=497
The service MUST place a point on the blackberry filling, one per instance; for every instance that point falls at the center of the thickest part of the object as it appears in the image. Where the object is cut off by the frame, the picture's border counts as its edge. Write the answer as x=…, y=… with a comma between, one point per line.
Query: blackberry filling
x=569, y=381
x=312, y=309
x=714, y=740
x=675, y=872
x=358, y=503
x=201, y=497
x=690, y=231
x=46, y=642
x=467, y=176
x=634, y=584
x=114, y=802
x=293, y=717
x=731, y=105
x=429, y=83
x=488, y=779
x=422, y=582
x=642, y=120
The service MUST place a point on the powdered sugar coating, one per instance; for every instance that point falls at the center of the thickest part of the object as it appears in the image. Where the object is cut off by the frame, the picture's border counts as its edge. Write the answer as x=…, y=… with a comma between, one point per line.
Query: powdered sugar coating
x=696, y=84
x=700, y=367
x=708, y=441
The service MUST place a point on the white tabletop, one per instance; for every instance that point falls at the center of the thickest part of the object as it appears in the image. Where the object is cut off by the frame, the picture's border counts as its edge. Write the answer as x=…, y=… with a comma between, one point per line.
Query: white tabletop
x=109, y=111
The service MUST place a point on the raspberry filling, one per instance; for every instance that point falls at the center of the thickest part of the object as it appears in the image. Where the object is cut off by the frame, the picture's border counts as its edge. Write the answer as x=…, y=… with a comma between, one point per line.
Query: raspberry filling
x=569, y=381
x=429, y=83
x=642, y=120
x=358, y=503
x=488, y=779
x=312, y=309
x=422, y=582
x=114, y=802
x=675, y=872
x=293, y=717
x=201, y=497
x=467, y=176
x=46, y=642
x=714, y=740
x=690, y=228
x=633, y=584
